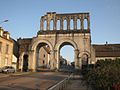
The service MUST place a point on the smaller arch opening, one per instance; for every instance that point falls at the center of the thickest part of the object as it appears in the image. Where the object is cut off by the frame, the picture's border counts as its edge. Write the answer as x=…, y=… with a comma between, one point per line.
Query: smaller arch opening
x=58, y=24
x=71, y=24
x=25, y=63
x=85, y=24
x=84, y=61
x=78, y=24
x=65, y=25
x=45, y=25
x=51, y=24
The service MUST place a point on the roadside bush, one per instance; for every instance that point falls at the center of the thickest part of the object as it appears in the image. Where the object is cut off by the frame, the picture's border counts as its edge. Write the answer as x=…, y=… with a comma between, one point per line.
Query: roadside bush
x=105, y=75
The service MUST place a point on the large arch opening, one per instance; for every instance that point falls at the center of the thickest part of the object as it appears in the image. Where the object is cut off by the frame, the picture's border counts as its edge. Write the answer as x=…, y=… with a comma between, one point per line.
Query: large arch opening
x=42, y=56
x=66, y=57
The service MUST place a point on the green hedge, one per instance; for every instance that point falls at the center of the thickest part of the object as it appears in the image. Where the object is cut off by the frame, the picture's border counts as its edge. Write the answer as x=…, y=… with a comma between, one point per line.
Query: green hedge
x=105, y=75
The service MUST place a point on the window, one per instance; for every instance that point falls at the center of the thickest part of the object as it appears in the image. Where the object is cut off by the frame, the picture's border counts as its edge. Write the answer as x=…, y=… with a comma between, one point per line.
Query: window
x=58, y=25
x=78, y=24
x=44, y=55
x=45, y=25
x=65, y=24
x=7, y=48
x=0, y=46
x=43, y=62
x=85, y=24
x=51, y=24
x=71, y=24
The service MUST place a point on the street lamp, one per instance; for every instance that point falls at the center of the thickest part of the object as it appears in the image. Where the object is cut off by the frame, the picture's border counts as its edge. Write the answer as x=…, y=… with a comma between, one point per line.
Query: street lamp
x=3, y=21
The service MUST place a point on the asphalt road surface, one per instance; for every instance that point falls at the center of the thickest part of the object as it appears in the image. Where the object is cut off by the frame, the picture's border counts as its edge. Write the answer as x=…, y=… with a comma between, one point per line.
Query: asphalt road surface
x=32, y=81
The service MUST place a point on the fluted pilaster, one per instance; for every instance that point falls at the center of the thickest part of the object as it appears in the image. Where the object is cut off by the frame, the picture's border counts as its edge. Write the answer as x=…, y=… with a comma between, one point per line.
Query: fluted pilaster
x=88, y=23
x=68, y=23
x=48, y=24
x=41, y=24
x=61, y=24
x=75, y=23
x=82, y=23
x=54, y=24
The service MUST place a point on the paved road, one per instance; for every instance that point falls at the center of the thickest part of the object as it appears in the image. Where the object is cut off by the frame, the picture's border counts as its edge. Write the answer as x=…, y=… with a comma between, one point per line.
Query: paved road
x=32, y=81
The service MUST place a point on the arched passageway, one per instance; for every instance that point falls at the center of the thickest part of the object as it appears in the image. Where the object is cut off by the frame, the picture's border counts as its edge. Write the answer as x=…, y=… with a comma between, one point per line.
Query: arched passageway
x=63, y=43
x=66, y=61
x=42, y=56
x=25, y=63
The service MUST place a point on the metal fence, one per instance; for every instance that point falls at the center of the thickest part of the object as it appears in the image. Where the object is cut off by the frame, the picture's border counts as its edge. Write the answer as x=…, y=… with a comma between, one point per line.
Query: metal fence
x=62, y=84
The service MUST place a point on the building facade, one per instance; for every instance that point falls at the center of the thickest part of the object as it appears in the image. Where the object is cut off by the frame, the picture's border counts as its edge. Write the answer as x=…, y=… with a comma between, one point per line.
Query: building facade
x=107, y=51
x=56, y=36
x=6, y=48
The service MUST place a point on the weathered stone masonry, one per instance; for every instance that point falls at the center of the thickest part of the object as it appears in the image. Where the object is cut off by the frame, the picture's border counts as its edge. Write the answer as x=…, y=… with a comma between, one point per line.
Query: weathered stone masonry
x=56, y=36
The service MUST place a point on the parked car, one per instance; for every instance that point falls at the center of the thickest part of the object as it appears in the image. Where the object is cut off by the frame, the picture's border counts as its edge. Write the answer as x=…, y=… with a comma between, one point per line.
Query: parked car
x=8, y=69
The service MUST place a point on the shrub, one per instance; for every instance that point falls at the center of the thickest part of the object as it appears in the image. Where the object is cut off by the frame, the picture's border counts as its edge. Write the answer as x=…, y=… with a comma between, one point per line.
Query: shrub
x=105, y=75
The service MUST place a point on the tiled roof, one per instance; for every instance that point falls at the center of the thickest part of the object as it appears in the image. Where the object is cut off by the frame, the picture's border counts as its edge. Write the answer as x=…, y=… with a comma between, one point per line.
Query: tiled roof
x=107, y=50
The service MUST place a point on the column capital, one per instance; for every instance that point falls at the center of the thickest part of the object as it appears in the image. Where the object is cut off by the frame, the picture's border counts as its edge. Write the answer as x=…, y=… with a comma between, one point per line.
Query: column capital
x=76, y=50
x=75, y=18
x=31, y=51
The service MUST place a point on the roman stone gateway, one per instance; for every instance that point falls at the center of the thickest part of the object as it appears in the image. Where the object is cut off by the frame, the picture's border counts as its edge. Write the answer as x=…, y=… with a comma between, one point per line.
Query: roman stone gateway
x=57, y=30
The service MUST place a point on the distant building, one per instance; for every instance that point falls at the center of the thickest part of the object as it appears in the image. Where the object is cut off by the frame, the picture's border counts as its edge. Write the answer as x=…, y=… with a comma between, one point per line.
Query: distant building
x=107, y=51
x=44, y=59
x=15, y=59
x=6, y=48
x=63, y=61
x=23, y=53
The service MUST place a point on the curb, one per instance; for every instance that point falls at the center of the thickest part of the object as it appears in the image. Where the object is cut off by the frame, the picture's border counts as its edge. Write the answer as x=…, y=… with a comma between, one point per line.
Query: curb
x=21, y=73
x=15, y=74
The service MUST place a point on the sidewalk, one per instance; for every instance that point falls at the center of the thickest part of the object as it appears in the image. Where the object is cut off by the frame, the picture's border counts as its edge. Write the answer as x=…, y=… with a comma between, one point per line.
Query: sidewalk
x=77, y=84
x=3, y=75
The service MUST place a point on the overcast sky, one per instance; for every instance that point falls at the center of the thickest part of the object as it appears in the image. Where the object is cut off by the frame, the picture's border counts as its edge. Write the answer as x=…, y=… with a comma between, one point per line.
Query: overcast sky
x=24, y=16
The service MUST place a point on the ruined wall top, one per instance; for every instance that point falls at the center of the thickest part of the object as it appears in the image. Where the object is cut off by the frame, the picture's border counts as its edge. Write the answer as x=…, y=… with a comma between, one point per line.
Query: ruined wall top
x=52, y=15
x=68, y=21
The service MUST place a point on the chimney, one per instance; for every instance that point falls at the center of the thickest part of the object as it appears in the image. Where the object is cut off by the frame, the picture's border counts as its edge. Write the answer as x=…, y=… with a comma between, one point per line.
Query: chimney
x=1, y=32
x=106, y=43
x=6, y=34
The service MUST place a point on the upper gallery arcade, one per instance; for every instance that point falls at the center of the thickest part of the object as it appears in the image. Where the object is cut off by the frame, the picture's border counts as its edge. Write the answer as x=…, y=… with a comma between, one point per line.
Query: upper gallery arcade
x=69, y=21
